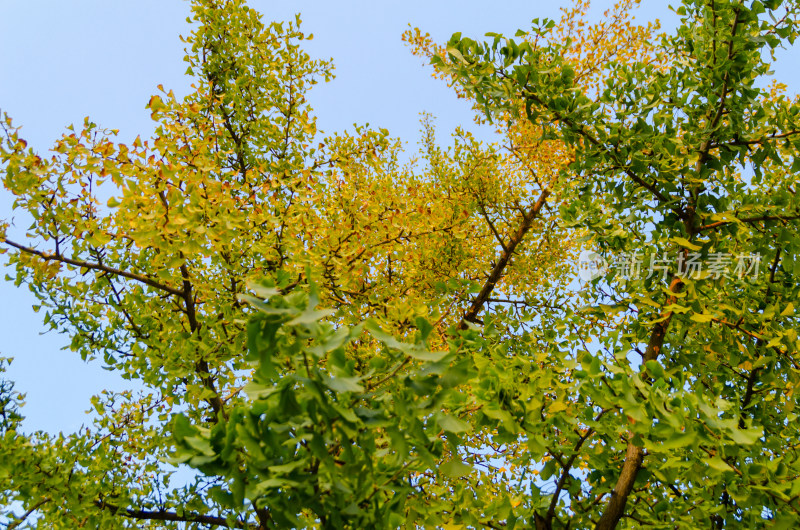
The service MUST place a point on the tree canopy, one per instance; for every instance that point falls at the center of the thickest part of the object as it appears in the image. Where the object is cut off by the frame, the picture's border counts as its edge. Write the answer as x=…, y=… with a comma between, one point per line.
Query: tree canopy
x=332, y=333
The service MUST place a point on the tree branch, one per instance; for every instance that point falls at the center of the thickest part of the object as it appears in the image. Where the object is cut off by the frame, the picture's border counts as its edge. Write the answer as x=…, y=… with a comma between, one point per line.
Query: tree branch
x=21, y=520
x=750, y=220
x=201, y=366
x=47, y=256
x=502, y=262
x=491, y=226
x=163, y=515
x=634, y=455
x=565, y=469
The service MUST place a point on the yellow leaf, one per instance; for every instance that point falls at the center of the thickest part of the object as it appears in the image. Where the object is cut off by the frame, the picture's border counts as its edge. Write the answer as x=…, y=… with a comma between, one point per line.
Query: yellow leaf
x=156, y=104
x=701, y=317
x=685, y=243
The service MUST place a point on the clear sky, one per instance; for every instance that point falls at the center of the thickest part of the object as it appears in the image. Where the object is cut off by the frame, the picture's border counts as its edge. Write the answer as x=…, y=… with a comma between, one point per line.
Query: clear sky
x=61, y=61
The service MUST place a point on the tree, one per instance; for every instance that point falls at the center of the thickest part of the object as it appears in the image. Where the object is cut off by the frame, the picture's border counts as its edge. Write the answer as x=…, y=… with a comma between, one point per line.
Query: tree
x=334, y=338
x=695, y=159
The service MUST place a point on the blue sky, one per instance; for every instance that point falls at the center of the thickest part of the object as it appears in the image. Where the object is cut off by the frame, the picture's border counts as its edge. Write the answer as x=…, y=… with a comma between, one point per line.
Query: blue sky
x=62, y=61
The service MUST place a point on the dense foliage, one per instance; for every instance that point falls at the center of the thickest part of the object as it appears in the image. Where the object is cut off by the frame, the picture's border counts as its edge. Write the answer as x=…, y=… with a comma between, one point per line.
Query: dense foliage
x=331, y=336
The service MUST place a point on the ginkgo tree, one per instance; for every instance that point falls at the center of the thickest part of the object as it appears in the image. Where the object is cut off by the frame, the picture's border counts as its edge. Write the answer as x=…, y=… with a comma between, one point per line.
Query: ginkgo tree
x=335, y=335
x=690, y=159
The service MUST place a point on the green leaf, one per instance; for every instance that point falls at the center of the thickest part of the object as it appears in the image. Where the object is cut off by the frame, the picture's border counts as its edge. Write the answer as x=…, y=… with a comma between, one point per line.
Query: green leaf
x=717, y=463
x=655, y=369
x=455, y=469
x=425, y=355
x=262, y=291
x=679, y=440
x=287, y=468
x=182, y=428
x=201, y=445
x=675, y=308
x=413, y=350
x=452, y=424
x=310, y=316
x=344, y=384
x=375, y=330
x=746, y=436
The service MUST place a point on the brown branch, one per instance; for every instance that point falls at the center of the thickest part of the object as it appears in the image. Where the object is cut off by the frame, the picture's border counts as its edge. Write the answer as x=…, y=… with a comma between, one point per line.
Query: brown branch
x=492, y=227
x=390, y=375
x=163, y=515
x=759, y=339
x=738, y=326
x=634, y=454
x=619, y=496
x=264, y=518
x=546, y=522
x=751, y=220
x=24, y=516
x=497, y=272
x=201, y=366
x=47, y=256
x=759, y=141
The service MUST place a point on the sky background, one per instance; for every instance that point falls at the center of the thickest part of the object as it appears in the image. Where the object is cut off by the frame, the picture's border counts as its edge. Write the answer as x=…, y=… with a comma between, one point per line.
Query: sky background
x=61, y=61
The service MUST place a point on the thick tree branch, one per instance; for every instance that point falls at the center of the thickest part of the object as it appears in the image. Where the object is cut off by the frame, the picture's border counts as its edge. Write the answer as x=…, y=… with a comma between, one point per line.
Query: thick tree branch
x=47, y=256
x=202, y=366
x=615, y=509
x=634, y=455
x=497, y=272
